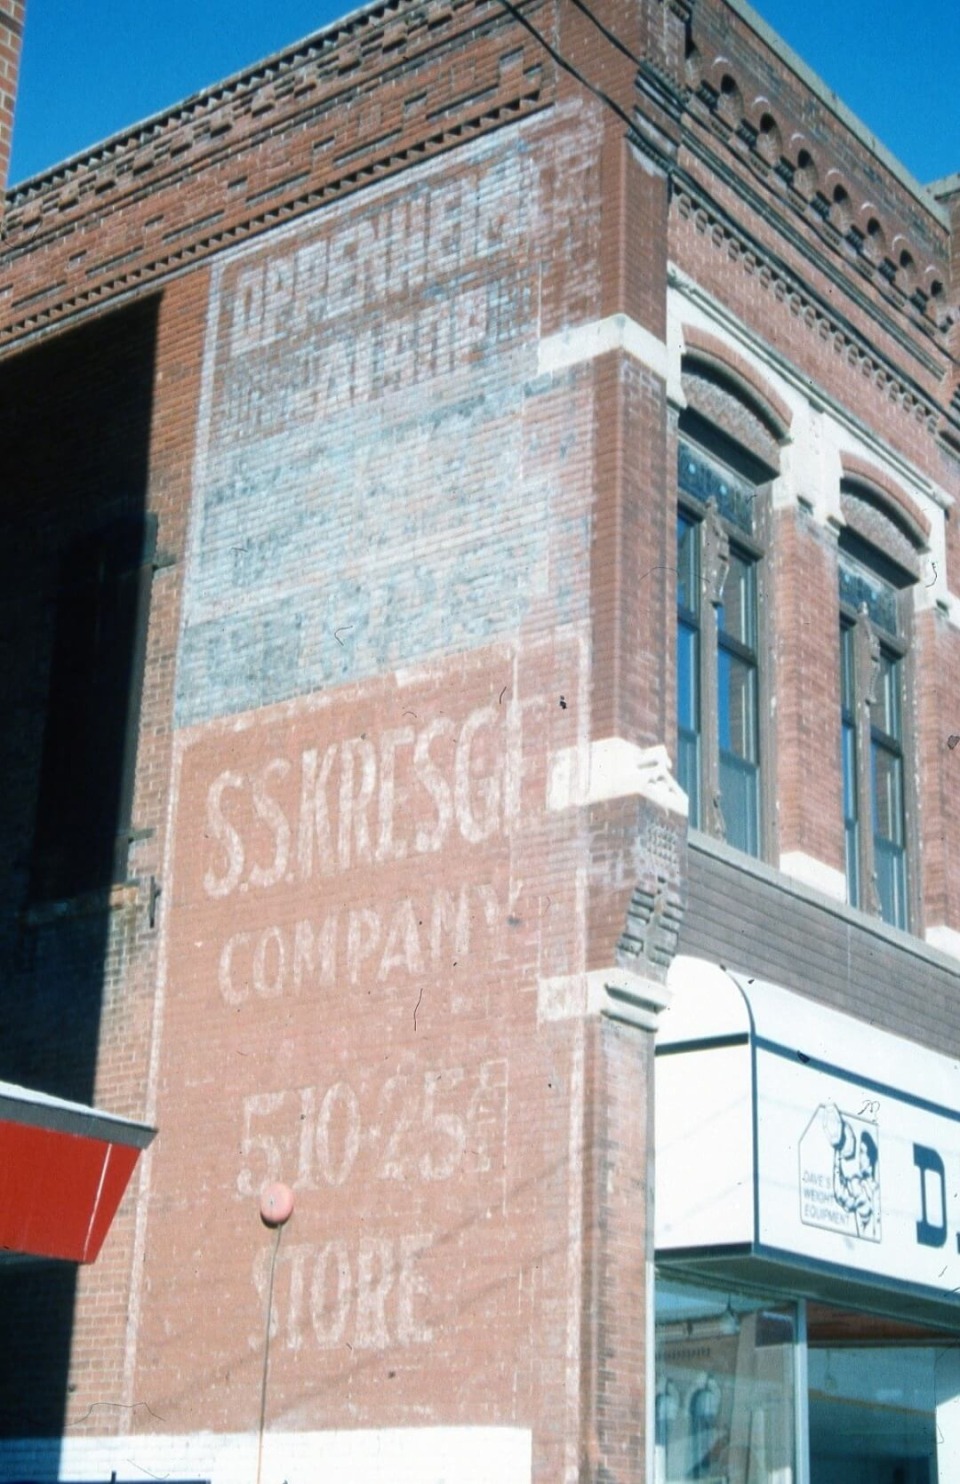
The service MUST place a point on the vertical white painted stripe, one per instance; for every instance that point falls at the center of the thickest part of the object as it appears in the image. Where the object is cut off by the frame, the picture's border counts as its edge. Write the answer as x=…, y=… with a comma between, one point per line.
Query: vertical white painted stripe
x=145, y=1163
x=571, y=1471
x=576, y=1131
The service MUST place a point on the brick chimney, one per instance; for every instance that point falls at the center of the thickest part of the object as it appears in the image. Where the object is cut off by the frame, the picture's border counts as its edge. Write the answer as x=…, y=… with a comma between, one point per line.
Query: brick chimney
x=11, y=36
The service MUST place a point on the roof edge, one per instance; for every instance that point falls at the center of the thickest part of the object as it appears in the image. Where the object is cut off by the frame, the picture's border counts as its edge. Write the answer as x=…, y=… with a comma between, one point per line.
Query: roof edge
x=923, y=194
x=195, y=101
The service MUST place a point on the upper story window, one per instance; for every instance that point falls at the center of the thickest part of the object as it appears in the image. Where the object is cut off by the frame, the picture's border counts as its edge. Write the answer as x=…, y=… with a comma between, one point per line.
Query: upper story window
x=719, y=598
x=873, y=687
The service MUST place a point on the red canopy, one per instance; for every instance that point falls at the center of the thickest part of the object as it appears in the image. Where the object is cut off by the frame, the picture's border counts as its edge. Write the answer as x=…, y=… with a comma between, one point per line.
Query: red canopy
x=63, y=1170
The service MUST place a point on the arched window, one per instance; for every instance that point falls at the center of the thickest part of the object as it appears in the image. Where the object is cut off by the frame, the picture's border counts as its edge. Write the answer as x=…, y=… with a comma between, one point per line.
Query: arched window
x=877, y=567
x=726, y=456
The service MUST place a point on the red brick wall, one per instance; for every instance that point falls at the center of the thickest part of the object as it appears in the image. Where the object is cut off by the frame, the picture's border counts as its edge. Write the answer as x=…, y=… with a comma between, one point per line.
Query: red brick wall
x=404, y=573
x=349, y=1007
x=348, y=989
x=804, y=620
x=288, y=138
x=618, y=1086
x=937, y=675
x=104, y=1332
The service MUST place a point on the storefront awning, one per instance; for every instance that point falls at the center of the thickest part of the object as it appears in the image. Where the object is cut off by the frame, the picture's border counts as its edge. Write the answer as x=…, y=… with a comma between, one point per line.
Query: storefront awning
x=63, y=1170
x=799, y=1147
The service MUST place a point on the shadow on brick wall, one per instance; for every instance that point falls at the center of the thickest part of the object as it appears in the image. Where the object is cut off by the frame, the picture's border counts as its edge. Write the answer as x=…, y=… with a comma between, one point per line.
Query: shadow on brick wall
x=75, y=567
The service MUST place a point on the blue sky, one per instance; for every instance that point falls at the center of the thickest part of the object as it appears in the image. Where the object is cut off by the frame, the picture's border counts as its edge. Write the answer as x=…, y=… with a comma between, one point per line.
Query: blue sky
x=92, y=67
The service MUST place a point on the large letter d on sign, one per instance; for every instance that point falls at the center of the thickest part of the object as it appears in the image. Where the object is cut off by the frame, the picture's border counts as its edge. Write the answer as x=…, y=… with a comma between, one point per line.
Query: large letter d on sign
x=928, y=1162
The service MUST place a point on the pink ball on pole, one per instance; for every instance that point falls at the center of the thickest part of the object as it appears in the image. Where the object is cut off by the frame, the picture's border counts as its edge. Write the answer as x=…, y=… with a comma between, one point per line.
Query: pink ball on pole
x=276, y=1203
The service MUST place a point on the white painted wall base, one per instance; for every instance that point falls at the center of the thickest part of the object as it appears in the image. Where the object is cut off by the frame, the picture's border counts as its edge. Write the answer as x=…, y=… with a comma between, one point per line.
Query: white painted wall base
x=400, y=1455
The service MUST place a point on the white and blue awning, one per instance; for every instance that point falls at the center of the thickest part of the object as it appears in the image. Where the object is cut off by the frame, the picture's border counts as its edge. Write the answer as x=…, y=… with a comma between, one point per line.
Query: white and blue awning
x=802, y=1148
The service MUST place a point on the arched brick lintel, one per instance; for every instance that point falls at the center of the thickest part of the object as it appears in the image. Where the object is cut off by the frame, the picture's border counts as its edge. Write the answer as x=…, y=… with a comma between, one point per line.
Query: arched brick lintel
x=701, y=346
x=898, y=504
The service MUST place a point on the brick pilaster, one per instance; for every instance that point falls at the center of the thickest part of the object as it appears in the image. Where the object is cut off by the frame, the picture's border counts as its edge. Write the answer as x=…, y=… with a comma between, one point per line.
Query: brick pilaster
x=11, y=37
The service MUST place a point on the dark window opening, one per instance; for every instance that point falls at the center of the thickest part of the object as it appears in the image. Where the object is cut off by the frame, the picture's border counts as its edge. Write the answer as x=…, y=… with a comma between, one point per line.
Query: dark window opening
x=86, y=779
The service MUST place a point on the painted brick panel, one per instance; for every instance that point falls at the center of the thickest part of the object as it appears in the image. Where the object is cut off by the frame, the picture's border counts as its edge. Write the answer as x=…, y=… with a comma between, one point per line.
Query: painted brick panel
x=354, y=943
x=363, y=495
x=405, y=580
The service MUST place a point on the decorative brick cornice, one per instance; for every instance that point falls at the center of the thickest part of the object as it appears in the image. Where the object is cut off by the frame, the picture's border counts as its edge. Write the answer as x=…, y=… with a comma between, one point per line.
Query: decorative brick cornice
x=858, y=213
x=372, y=41
x=193, y=251
x=354, y=105
x=738, y=248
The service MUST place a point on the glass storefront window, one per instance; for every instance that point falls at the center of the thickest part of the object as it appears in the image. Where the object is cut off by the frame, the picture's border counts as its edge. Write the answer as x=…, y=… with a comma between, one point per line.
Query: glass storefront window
x=884, y=1400
x=725, y=1397
x=879, y=1400
x=872, y=1416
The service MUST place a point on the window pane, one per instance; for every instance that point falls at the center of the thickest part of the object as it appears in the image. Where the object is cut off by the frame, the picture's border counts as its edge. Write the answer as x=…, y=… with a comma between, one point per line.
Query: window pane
x=737, y=701
x=688, y=671
x=688, y=773
x=891, y=864
x=740, y=802
x=849, y=761
x=736, y=615
x=737, y=728
x=887, y=795
x=725, y=1383
x=886, y=710
x=859, y=587
x=886, y=773
x=688, y=566
x=688, y=663
x=873, y=1413
x=888, y=835
x=688, y=716
x=852, y=845
x=847, y=692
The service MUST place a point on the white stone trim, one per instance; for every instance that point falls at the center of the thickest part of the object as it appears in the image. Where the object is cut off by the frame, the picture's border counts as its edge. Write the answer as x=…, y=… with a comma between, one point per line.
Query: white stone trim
x=821, y=431
x=402, y=1455
x=582, y=343
x=811, y=872
x=688, y=302
x=951, y=609
x=613, y=768
x=617, y=993
x=944, y=939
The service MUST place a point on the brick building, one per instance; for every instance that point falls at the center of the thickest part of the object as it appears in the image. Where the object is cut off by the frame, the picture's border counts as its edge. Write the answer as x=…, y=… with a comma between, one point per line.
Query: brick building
x=482, y=594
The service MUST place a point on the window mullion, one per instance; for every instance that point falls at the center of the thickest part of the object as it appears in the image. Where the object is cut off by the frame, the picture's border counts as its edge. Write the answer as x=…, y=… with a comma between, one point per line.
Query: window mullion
x=715, y=561
x=866, y=667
